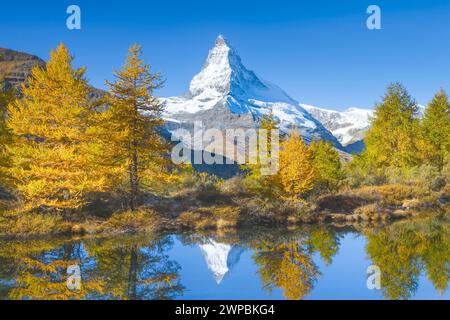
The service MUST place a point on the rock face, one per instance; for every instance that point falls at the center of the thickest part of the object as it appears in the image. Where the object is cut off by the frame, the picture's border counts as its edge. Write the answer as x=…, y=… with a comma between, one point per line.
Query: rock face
x=15, y=67
x=226, y=95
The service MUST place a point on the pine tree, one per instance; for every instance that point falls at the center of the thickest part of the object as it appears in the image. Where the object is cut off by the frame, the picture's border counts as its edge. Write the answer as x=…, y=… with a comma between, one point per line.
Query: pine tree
x=296, y=174
x=436, y=129
x=52, y=157
x=327, y=165
x=133, y=145
x=393, y=137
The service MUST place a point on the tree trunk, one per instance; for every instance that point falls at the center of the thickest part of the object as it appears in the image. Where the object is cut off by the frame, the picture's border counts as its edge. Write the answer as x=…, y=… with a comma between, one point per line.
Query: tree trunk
x=132, y=275
x=134, y=181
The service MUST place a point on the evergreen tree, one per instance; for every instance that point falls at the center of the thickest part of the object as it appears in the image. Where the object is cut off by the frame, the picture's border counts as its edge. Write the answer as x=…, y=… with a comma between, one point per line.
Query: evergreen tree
x=133, y=145
x=296, y=174
x=52, y=157
x=327, y=166
x=436, y=129
x=392, y=140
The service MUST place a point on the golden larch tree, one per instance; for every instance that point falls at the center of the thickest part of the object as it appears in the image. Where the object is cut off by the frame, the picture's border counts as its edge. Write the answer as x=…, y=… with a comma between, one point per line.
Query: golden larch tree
x=296, y=174
x=133, y=145
x=6, y=97
x=52, y=157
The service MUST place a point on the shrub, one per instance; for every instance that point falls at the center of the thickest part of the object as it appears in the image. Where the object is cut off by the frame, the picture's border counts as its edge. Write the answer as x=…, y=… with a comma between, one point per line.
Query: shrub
x=233, y=186
x=425, y=176
x=328, y=167
x=141, y=220
x=15, y=223
x=358, y=173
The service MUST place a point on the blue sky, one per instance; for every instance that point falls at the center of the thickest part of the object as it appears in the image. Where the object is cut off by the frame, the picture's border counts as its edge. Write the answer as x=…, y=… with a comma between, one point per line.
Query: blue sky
x=320, y=52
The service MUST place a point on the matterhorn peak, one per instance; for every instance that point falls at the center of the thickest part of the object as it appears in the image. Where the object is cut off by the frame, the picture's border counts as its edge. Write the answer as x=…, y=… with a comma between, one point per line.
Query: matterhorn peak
x=224, y=76
x=214, y=78
x=221, y=41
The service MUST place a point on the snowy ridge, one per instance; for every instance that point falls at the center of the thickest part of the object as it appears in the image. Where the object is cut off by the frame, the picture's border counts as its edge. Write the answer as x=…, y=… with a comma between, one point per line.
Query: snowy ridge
x=347, y=126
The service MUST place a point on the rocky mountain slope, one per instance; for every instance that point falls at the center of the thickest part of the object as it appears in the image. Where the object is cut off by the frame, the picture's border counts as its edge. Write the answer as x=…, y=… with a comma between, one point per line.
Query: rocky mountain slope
x=15, y=67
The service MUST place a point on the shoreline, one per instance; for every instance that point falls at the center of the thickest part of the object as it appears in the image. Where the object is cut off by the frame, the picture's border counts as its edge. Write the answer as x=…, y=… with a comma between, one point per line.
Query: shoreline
x=366, y=206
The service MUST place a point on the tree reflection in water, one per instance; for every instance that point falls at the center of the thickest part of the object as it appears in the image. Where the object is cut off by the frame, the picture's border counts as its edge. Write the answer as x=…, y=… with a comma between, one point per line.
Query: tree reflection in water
x=406, y=249
x=116, y=268
x=139, y=266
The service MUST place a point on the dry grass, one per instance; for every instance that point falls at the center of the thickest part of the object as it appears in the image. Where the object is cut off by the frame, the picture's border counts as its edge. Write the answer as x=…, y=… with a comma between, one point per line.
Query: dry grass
x=141, y=220
x=210, y=217
x=378, y=202
x=28, y=224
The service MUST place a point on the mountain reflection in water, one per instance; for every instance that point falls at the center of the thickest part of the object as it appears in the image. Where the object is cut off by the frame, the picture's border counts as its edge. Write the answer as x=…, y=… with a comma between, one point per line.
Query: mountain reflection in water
x=256, y=263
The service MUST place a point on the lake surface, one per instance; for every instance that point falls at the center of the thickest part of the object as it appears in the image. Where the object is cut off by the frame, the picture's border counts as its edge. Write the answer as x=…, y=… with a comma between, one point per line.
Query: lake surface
x=254, y=263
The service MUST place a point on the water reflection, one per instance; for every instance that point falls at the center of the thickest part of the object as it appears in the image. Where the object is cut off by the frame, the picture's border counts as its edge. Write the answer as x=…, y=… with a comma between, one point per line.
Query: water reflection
x=288, y=264
x=405, y=250
x=115, y=268
x=220, y=257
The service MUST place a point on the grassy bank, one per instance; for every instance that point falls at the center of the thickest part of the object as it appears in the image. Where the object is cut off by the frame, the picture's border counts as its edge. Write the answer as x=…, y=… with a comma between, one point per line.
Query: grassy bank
x=229, y=206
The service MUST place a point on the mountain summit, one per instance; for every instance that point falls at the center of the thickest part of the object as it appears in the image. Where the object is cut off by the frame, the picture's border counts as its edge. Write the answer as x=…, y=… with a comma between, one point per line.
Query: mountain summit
x=225, y=94
x=224, y=74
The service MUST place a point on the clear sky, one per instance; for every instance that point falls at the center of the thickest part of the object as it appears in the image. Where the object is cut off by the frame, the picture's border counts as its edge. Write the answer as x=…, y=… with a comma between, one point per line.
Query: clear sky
x=320, y=52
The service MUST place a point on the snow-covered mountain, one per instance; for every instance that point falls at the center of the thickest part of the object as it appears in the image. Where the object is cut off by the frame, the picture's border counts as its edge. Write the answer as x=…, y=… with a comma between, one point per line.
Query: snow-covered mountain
x=347, y=126
x=220, y=258
x=225, y=95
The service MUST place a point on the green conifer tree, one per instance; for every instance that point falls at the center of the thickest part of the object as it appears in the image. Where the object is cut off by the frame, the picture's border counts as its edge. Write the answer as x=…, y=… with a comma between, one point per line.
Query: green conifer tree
x=436, y=129
x=328, y=166
x=392, y=140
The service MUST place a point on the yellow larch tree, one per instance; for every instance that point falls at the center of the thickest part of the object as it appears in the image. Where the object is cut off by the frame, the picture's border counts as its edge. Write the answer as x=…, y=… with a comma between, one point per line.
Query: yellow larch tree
x=133, y=145
x=296, y=174
x=6, y=97
x=52, y=158
x=256, y=182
